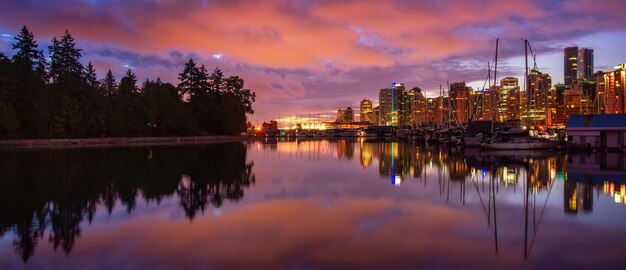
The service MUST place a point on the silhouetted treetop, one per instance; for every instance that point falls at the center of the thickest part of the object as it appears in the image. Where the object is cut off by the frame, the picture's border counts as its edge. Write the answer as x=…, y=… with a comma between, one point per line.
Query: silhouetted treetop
x=65, y=58
x=27, y=54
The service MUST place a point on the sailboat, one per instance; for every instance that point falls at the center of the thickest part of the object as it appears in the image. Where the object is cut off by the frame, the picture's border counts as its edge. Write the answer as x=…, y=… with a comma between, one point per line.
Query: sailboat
x=500, y=140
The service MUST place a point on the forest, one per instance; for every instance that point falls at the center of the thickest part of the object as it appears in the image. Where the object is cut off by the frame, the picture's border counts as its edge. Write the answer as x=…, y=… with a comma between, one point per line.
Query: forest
x=58, y=96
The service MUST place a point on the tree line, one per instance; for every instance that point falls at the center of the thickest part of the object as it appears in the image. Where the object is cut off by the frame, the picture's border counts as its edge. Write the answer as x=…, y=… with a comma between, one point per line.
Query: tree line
x=58, y=96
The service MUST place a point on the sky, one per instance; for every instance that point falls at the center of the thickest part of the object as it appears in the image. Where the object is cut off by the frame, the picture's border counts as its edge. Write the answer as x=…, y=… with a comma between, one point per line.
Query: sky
x=312, y=57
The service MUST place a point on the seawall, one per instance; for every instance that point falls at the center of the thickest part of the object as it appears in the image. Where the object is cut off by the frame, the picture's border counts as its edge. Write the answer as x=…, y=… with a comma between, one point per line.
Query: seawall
x=115, y=141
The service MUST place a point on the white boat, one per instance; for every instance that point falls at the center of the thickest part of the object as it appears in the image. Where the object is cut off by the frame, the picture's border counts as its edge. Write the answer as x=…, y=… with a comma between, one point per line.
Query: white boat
x=521, y=144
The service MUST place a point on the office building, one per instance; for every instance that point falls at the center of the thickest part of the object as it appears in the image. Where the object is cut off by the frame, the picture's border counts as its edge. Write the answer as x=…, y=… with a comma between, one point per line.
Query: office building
x=460, y=101
x=345, y=116
x=570, y=65
x=509, y=105
x=585, y=64
x=417, y=104
x=366, y=113
x=611, y=87
x=391, y=109
x=537, y=99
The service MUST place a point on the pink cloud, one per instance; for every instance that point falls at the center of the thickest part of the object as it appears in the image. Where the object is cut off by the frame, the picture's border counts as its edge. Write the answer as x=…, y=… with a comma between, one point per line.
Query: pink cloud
x=297, y=49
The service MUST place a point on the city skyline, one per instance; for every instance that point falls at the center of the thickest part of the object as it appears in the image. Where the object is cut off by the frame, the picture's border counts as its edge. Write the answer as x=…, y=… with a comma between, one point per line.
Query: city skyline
x=307, y=57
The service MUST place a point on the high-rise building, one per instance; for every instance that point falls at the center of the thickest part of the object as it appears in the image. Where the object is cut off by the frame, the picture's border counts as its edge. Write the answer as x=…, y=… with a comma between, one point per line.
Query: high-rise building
x=611, y=89
x=573, y=98
x=417, y=106
x=341, y=114
x=537, y=98
x=570, y=65
x=391, y=107
x=345, y=116
x=600, y=92
x=460, y=98
x=487, y=108
x=437, y=110
x=366, y=114
x=559, y=103
x=348, y=115
x=384, y=101
x=508, y=100
x=376, y=115
x=585, y=64
x=402, y=107
x=587, y=89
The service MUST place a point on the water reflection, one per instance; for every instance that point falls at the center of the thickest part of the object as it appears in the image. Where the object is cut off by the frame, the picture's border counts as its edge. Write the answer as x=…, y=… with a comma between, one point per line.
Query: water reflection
x=57, y=190
x=316, y=204
x=532, y=174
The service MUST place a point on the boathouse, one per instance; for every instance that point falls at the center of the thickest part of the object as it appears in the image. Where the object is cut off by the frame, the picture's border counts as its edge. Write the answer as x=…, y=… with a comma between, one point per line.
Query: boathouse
x=606, y=131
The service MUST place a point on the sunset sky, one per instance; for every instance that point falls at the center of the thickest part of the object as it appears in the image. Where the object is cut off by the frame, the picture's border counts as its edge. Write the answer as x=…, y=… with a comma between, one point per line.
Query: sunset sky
x=314, y=56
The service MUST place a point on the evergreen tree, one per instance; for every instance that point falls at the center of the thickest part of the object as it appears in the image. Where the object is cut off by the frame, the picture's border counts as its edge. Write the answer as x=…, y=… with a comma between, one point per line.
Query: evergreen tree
x=186, y=86
x=27, y=55
x=71, y=104
x=90, y=76
x=193, y=81
x=109, y=84
x=128, y=83
x=65, y=58
x=127, y=116
x=24, y=85
x=216, y=81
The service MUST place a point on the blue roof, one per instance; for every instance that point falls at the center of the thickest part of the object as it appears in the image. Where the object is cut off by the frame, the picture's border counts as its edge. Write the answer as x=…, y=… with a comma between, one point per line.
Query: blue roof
x=597, y=121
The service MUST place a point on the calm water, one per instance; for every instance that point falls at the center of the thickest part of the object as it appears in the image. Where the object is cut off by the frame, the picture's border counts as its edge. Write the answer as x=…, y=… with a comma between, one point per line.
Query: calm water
x=310, y=205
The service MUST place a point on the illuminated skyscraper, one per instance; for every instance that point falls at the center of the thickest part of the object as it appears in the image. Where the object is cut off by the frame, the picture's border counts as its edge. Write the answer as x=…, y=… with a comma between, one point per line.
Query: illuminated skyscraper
x=384, y=99
x=487, y=108
x=366, y=113
x=460, y=98
x=585, y=64
x=538, y=88
x=570, y=64
x=509, y=105
x=611, y=88
x=390, y=106
x=417, y=104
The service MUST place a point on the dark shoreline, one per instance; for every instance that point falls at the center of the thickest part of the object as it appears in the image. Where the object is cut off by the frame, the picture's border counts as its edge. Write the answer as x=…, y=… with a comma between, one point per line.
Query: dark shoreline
x=115, y=142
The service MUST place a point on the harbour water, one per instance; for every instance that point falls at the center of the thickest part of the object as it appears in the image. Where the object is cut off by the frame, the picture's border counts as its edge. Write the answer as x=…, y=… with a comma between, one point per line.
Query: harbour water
x=311, y=204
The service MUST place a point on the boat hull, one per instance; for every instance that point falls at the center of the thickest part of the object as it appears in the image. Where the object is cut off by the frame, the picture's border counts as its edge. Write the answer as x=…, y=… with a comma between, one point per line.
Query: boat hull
x=472, y=141
x=520, y=145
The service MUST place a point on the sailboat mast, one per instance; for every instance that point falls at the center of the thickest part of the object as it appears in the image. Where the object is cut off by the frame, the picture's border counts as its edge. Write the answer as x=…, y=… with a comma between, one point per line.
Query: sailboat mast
x=440, y=105
x=526, y=83
x=450, y=114
x=480, y=98
x=495, y=69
